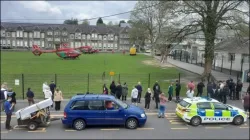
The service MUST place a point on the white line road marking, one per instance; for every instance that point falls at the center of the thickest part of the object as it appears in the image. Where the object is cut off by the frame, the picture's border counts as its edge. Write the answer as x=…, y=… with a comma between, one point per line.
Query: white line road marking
x=70, y=130
x=177, y=122
x=4, y=132
x=39, y=130
x=213, y=127
x=179, y=128
x=2, y=121
x=109, y=129
x=145, y=129
x=244, y=127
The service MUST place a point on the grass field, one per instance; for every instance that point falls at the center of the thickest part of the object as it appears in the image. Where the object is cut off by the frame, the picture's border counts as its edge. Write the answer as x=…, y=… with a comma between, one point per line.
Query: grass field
x=72, y=75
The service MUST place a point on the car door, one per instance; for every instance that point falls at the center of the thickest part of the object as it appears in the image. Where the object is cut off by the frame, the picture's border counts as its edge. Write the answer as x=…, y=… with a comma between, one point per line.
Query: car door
x=221, y=112
x=95, y=115
x=205, y=111
x=114, y=116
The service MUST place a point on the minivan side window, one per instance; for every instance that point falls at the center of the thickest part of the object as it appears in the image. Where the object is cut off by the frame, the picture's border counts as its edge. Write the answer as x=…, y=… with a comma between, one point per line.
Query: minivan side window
x=79, y=105
x=96, y=105
x=111, y=105
x=205, y=105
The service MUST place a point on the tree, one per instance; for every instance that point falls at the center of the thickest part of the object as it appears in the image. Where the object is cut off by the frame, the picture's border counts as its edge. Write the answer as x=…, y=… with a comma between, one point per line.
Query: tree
x=122, y=21
x=110, y=23
x=71, y=21
x=99, y=22
x=85, y=22
x=208, y=17
x=156, y=15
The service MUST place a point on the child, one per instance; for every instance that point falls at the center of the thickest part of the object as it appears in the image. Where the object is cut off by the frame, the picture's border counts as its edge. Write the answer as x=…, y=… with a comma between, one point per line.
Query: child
x=134, y=95
x=163, y=101
x=170, y=92
x=147, y=98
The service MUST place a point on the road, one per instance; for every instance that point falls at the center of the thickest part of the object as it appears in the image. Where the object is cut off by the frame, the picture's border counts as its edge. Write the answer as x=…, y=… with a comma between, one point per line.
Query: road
x=170, y=127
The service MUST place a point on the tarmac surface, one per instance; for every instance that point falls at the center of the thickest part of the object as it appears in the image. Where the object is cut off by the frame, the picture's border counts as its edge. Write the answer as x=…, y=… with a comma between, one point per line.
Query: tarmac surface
x=170, y=127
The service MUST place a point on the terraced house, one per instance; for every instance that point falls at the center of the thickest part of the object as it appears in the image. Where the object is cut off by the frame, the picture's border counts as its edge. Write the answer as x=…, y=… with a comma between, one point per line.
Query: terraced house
x=24, y=35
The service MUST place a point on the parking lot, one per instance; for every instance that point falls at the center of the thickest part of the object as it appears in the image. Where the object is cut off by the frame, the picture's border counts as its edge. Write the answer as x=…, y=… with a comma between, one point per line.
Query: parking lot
x=170, y=127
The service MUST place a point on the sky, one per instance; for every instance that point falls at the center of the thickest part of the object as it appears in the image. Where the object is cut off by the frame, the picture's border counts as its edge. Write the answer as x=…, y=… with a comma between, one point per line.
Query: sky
x=62, y=10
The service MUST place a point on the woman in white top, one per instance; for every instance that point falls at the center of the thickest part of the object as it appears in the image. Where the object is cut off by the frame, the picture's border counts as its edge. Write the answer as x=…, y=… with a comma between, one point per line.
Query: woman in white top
x=190, y=93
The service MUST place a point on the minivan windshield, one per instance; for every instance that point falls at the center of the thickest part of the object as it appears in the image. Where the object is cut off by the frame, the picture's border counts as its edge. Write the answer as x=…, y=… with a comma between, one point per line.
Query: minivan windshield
x=122, y=104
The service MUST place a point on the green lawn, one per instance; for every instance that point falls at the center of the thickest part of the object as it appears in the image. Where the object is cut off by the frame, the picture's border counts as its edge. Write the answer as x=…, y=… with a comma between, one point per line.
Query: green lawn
x=72, y=75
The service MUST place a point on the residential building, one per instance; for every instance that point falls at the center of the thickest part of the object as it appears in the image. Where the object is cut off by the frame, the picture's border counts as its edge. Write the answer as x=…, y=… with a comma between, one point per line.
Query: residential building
x=23, y=35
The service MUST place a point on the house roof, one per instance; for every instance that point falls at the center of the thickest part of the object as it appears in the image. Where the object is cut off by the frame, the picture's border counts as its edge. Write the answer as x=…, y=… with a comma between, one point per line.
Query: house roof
x=234, y=45
x=101, y=29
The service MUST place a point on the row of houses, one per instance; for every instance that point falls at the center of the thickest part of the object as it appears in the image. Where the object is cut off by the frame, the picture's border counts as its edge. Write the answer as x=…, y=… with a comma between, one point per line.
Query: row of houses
x=22, y=35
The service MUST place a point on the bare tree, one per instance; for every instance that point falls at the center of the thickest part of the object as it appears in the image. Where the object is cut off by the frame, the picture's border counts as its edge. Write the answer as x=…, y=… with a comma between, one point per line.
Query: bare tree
x=208, y=17
x=110, y=23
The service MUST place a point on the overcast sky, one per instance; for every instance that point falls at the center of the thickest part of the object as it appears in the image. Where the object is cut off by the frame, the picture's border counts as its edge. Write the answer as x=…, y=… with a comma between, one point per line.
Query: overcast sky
x=64, y=10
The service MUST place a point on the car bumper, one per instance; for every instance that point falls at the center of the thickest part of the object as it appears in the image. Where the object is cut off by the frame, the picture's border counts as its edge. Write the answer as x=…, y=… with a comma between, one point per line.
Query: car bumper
x=182, y=115
x=142, y=121
x=65, y=121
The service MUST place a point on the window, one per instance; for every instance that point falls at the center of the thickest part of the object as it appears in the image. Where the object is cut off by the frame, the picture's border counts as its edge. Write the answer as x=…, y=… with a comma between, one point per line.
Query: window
x=42, y=43
x=13, y=43
x=111, y=45
x=100, y=37
x=100, y=45
x=56, y=33
x=231, y=56
x=36, y=34
x=49, y=39
x=2, y=33
x=17, y=43
x=96, y=105
x=8, y=42
x=79, y=105
x=245, y=58
x=88, y=36
x=13, y=34
x=104, y=37
x=116, y=37
x=88, y=43
x=93, y=35
x=184, y=103
x=31, y=43
x=4, y=42
x=108, y=45
x=25, y=34
x=205, y=105
x=57, y=39
x=25, y=43
x=30, y=35
x=64, y=33
x=83, y=43
x=219, y=106
x=8, y=34
x=83, y=36
x=115, y=45
x=110, y=105
x=104, y=45
x=42, y=35
x=49, y=33
x=71, y=44
x=96, y=44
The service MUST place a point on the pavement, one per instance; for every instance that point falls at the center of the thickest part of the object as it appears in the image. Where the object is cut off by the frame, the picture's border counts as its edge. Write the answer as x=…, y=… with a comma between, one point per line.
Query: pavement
x=199, y=70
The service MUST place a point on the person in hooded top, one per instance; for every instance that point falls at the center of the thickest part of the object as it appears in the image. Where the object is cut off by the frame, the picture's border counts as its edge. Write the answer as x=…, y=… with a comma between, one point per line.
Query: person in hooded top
x=147, y=98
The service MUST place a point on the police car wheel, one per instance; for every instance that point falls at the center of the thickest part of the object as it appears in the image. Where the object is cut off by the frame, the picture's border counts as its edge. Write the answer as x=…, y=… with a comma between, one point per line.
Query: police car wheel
x=238, y=120
x=195, y=121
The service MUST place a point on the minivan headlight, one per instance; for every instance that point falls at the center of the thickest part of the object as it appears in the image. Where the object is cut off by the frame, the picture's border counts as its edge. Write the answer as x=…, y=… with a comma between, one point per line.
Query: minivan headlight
x=143, y=115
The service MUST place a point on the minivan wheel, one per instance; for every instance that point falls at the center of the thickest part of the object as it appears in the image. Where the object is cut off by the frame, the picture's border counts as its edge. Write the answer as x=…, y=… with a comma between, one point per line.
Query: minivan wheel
x=131, y=123
x=238, y=120
x=79, y=124
x=195, y=121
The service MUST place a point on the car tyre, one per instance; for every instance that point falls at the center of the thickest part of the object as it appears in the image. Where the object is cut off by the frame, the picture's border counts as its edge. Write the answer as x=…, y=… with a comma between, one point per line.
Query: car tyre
x=195, y=121
x=131, y=123
x=32, y=126
x=238, y=120
x=79, y=124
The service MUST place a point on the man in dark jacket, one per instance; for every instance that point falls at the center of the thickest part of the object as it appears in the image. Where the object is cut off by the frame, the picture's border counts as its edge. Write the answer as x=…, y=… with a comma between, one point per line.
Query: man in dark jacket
x=239, y=86
x=52, y=89
x=232, y=86
x=30, y=96
x=139, y=88
x=118, y=92
x=112, y=88
x=157, y=91
x=225, y=92
x=177, y=90
x=200, y=87
x=210, y=89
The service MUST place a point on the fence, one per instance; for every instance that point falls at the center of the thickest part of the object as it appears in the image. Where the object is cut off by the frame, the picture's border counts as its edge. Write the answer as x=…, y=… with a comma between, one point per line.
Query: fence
x=232, y=65
x=70, y=84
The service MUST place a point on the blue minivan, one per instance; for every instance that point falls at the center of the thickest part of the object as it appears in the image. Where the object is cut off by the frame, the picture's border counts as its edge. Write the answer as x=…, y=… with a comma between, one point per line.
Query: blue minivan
x=99, y=109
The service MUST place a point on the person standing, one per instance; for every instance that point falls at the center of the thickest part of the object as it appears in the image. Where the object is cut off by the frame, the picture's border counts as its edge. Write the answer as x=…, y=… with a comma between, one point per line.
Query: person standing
x=47, y=94
x=245, y=102
x=105, y=89
x=170, y=92
x=157, y=91
x=177, y=90
x=210, y=89
x=118, y=92
x=225, y=93
x=147, y=99
x=30, y=96
x=58, y=97
x=239, y=86
x=13, y=97
x=163, y=101
x=200, y=87
x=8, y=111
x=190, y=93
x=52, y=87
x=3, y=94
x=124, y=91
x=191, y=85
x=139, y=88
x=112, y=88
x=134, y=95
